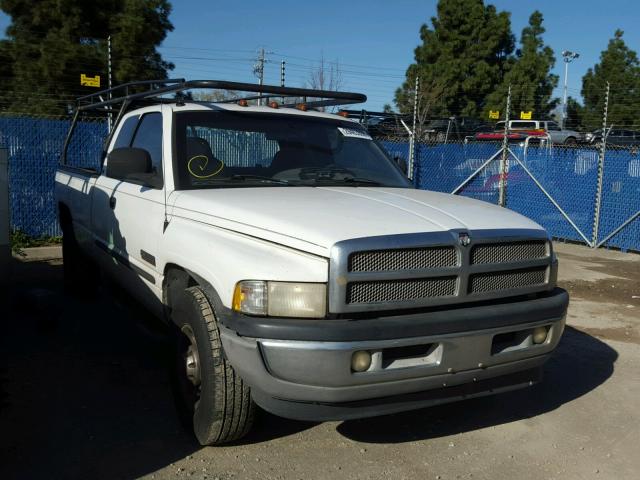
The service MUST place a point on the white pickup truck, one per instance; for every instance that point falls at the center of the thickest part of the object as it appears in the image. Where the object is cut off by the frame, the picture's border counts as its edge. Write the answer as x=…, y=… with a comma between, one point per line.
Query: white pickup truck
x=298, y=267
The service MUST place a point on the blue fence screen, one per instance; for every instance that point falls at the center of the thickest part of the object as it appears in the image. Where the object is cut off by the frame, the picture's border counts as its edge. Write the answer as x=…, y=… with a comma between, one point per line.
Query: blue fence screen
x=565, y=178
x=34, y=146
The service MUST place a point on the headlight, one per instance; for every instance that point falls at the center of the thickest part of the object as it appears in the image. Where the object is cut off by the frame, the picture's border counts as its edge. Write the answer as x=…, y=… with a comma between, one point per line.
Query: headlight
x=281, y=299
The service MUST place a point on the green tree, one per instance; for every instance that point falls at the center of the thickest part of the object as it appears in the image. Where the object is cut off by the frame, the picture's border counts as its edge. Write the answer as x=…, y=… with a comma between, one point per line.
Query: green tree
x=387, y=108
x=462, y=58
x=620, y=67
x=529, y=74
x=575, y=114
x=52, y=42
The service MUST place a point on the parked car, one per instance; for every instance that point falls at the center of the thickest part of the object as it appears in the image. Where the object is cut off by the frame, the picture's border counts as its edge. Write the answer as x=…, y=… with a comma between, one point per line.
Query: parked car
x=615, y=137
x=297, y=267
x=453, y=128
x=386, y=126
x=519, y=130
x=380, y=124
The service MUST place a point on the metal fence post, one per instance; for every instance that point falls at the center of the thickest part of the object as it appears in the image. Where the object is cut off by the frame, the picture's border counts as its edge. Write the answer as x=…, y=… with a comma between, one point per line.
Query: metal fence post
x=412, y=137
x=5, y=247
x=603, y=146
x=504, y=165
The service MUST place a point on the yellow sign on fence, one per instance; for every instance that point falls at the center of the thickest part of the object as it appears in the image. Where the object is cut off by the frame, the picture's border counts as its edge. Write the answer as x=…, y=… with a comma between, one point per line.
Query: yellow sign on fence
x=525, y=115
x=494, y=115
x=89, y=81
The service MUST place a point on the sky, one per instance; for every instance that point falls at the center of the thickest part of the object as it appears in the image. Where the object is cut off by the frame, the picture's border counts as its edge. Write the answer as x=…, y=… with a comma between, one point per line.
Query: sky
x=373, y=41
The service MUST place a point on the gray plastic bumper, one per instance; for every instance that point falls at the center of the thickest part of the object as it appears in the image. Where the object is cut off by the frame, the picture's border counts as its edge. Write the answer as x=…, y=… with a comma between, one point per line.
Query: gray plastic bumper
x=313, y=380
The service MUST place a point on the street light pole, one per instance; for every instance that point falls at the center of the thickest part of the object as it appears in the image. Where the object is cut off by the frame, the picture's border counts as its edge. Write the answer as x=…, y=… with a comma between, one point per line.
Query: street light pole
x=567, y=56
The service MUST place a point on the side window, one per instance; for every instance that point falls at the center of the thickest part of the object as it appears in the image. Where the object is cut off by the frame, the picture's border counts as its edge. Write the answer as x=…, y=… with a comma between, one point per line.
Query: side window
x=531, y=125
x=149, y=136
x=552, y=126
x=126, y=132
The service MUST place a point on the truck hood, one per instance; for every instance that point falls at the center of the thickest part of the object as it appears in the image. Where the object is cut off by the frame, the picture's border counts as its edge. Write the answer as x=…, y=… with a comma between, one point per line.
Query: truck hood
x=312, y=219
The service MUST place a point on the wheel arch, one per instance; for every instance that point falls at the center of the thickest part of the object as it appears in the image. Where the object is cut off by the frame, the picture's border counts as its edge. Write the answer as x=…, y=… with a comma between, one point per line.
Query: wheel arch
x=178, y=278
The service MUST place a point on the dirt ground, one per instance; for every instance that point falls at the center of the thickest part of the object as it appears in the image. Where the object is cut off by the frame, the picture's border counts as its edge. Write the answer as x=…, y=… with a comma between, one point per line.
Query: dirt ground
x=84, y=394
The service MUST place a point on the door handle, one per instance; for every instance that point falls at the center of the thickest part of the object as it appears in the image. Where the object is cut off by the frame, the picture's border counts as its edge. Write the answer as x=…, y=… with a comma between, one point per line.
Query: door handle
x=112, y=202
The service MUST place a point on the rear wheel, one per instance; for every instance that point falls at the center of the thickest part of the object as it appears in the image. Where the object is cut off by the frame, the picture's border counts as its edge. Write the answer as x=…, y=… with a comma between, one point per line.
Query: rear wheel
x=80, y=273
x=211, y=397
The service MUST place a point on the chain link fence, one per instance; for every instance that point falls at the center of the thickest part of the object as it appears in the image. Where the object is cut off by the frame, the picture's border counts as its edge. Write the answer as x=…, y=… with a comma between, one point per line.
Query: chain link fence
x=554, y=185
x=34, y=146
x=583, y=193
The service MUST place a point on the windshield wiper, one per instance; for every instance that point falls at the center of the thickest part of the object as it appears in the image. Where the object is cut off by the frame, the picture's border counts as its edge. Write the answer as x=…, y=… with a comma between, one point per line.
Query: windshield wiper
x=259, y=177
x=361, y=180
x=349, y=180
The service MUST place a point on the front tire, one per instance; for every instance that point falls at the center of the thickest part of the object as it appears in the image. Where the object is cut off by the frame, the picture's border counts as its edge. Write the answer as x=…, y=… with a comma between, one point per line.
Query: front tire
x=209, y=393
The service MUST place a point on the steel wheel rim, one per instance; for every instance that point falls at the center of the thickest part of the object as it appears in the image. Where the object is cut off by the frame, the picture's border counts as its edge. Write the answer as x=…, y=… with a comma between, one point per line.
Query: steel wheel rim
x=191, y=357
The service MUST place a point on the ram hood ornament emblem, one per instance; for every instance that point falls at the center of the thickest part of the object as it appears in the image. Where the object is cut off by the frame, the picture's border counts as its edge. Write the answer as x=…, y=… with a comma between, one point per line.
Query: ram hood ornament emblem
x=464, y=239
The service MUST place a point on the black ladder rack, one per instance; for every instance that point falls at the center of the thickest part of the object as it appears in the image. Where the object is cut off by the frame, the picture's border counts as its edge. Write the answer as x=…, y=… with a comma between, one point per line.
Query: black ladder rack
x=158, y=88
x=122, y=97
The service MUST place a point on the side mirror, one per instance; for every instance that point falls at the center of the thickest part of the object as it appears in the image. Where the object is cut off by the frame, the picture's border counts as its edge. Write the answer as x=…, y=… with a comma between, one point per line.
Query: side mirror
x=402, y=163
x=124, y=162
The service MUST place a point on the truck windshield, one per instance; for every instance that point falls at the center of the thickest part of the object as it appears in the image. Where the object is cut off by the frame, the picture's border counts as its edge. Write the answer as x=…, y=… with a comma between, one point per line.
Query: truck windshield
x=221, y=149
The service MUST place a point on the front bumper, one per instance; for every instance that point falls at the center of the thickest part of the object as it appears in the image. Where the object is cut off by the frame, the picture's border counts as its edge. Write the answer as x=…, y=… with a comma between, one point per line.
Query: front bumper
x=312, y=379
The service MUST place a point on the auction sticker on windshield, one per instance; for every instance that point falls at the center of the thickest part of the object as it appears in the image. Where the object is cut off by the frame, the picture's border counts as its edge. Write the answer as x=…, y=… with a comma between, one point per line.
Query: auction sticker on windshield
x=354, y=132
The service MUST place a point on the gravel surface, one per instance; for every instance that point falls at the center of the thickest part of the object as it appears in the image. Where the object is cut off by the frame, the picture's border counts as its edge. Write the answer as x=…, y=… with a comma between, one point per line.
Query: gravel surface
x=84, y=394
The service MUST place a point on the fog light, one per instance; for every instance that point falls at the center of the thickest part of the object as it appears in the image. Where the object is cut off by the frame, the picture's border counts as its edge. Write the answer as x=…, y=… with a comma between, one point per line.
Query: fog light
x=539, y=334
x=360, y=361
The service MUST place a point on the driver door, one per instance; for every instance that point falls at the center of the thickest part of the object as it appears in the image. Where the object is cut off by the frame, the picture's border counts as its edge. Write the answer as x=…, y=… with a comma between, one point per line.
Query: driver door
x=128, y=215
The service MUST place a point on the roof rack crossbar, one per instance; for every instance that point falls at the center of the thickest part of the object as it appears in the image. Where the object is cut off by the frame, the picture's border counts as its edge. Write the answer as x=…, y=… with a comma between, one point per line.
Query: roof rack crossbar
x=131, y=84
x=180, y=85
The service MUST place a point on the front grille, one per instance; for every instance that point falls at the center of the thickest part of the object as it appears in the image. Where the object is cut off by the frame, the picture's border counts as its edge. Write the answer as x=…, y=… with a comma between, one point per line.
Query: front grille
x=403, y=259
x=435, y=269
x=509, y=252
x=509, y=280
x=400, y=290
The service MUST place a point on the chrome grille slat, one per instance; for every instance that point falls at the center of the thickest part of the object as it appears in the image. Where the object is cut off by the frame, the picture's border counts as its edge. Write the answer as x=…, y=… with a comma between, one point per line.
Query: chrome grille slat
x=417, y=270
x=506, y=280
x=403, y=259
x=508, y=252
x=400, y=290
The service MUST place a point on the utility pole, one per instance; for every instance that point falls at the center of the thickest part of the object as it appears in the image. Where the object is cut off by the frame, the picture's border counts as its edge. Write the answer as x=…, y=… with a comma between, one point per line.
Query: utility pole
x=603, y=146
x=282, y=77
x=412, y=139
x=567, y=56
x=258, y=71
x=109, y=79
x=504, y=165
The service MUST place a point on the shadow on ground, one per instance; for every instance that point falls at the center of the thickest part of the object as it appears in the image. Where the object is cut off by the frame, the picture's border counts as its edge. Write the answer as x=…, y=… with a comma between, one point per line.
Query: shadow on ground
x=84, y=391
x=580, y=364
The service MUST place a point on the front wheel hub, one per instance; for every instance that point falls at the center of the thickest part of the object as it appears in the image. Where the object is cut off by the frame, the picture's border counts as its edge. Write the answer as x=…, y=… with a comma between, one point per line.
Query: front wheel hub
x=191, y=358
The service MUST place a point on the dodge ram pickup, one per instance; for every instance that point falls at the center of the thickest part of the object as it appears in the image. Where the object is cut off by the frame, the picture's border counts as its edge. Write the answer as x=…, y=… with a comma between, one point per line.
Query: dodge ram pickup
x=296, y=265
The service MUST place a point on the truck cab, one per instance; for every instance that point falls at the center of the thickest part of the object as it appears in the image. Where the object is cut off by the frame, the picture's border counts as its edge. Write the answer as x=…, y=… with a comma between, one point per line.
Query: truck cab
x=298, y=268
